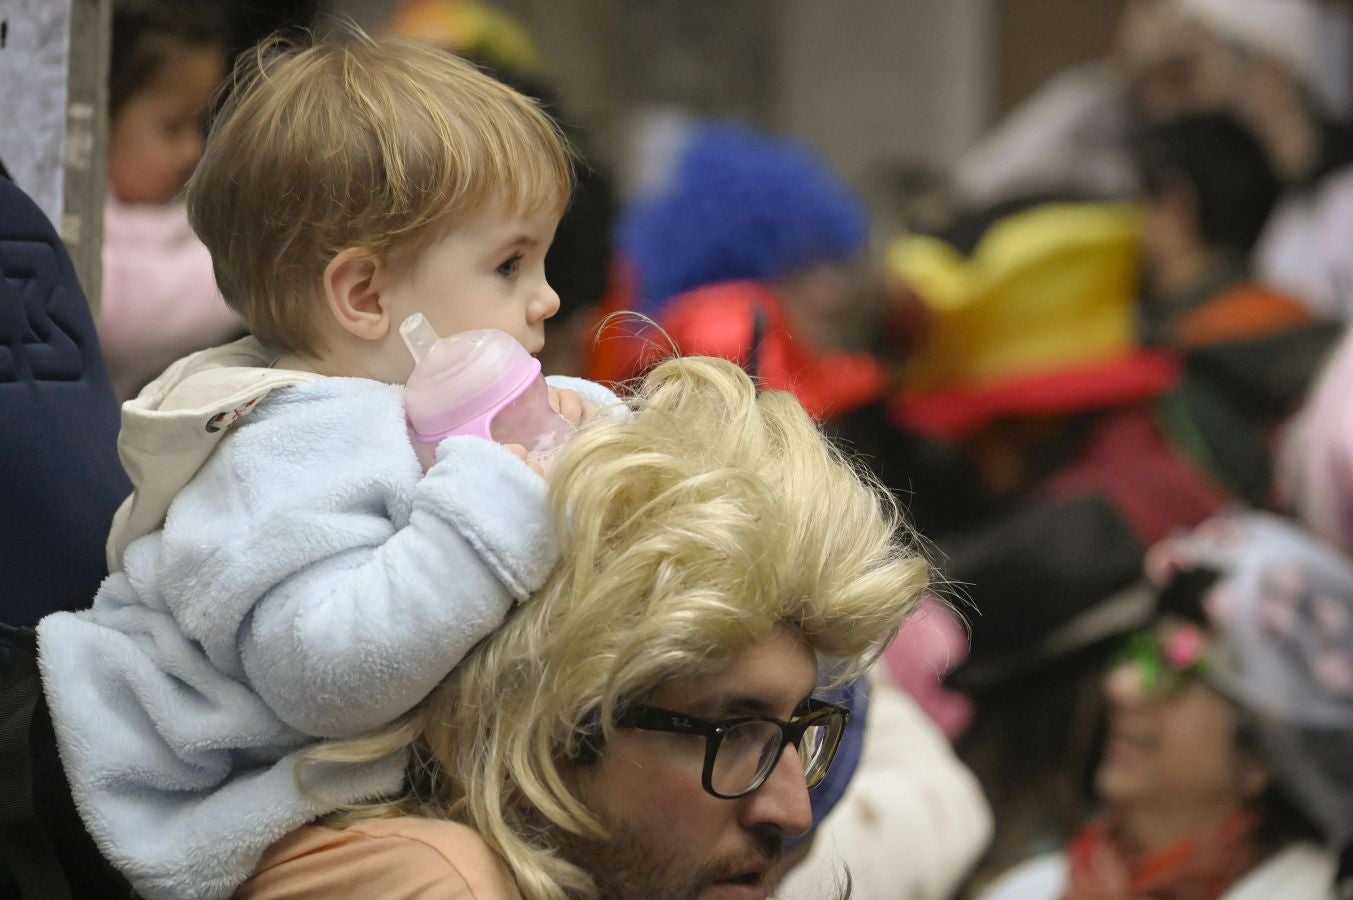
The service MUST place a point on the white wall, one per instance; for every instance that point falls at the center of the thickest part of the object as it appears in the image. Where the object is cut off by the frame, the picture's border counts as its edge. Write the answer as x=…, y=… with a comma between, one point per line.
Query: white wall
x=34, y=51
x=865, y=81
x=873, y=81
x=53, y=101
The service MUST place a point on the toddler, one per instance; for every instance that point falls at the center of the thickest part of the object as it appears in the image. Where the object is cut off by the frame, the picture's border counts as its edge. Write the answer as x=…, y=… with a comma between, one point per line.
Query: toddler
x=159, y=297
x=284, y=572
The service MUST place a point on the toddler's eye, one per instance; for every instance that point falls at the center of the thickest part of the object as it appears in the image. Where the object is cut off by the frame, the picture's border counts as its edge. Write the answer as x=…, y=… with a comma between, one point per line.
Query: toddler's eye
x=508, y=267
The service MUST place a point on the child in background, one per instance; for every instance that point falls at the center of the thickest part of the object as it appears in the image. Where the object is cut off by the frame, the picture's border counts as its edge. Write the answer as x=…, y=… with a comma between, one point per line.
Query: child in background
x=285, y=572
x=159, y=294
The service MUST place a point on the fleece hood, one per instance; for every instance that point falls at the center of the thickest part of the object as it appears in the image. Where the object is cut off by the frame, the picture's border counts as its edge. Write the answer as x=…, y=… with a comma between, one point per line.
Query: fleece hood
x=172, y=426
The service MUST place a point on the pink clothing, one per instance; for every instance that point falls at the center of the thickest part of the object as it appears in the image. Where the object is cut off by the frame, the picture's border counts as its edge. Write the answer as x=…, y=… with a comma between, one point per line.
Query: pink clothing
x=405, y=858
x=930, y=645
x=159, y=294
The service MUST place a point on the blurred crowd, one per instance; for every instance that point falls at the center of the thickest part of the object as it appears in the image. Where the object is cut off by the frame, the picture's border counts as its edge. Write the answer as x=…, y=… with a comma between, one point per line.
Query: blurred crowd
x=1100, y=362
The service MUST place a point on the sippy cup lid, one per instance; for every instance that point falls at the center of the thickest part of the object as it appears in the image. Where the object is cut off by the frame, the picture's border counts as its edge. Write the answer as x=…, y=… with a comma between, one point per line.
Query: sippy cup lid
x=462, y=376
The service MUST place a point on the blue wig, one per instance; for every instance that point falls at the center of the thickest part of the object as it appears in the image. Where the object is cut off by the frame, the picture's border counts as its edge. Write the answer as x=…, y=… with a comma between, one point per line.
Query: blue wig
x=739, y=205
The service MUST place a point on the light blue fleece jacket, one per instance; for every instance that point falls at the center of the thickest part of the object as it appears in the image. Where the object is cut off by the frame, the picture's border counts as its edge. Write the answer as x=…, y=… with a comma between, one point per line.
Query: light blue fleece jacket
x=309, y=581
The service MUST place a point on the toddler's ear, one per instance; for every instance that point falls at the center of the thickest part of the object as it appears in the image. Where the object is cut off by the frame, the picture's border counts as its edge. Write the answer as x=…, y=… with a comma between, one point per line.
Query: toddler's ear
x=350, y=294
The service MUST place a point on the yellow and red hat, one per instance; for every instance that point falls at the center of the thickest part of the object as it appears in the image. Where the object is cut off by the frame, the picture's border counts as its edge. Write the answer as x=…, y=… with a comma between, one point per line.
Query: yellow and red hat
x=1038, y=320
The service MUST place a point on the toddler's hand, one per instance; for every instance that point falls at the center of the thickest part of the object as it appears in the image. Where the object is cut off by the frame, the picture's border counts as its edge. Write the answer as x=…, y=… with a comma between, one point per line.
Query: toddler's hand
x=519, y=451
x=569, y=405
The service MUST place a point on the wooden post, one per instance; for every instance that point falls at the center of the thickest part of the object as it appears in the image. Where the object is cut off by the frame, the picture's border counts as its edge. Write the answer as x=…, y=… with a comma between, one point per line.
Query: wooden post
x=87, y=142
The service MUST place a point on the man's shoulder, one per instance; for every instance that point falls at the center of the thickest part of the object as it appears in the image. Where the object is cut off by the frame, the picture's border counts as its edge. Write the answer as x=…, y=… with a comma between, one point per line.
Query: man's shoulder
x=399, y=857
x=453, y=841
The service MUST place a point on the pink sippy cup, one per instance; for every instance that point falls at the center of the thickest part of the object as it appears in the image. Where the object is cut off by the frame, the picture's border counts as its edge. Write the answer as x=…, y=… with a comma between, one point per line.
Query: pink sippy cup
x=482, y=383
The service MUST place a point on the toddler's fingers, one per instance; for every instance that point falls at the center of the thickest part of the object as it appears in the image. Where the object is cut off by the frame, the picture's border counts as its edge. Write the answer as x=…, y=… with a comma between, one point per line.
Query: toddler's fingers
x=569, y=405
x=519, y=451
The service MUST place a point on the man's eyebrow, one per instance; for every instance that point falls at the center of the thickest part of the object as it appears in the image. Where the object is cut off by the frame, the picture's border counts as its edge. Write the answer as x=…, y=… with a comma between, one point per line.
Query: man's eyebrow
x=734, y=705
x=725, y=706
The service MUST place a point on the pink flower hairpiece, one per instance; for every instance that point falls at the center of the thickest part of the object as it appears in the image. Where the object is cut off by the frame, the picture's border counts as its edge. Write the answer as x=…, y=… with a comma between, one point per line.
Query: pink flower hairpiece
x=1166, y=661
x=1184, y=647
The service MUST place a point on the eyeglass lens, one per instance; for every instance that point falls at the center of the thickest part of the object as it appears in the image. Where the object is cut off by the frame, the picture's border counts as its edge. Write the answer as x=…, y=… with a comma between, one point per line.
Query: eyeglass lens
x=750, y=750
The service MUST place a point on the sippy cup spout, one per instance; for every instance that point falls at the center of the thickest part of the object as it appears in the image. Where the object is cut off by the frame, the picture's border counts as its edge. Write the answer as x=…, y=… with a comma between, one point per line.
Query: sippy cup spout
x=418, y=335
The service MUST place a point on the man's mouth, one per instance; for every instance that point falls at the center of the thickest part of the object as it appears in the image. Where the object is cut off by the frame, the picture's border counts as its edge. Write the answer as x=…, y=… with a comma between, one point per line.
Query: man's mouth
x=746, y=880
x=746, y=876
x=743, y=886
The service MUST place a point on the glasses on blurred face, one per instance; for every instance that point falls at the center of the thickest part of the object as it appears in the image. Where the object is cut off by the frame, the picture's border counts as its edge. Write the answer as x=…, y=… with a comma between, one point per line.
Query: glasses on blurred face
x=1167, y=660
x=741, y=753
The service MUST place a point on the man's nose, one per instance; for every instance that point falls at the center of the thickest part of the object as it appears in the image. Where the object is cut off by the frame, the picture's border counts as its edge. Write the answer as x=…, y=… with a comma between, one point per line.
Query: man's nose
x=782, y=800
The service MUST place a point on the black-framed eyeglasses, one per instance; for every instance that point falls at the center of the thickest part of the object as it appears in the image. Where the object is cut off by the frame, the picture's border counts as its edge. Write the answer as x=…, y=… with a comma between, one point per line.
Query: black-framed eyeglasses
x=741, y=753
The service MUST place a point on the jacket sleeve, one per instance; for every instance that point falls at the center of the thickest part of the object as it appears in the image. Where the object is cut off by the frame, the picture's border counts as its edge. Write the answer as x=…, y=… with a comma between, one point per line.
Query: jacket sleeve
x=311, y=560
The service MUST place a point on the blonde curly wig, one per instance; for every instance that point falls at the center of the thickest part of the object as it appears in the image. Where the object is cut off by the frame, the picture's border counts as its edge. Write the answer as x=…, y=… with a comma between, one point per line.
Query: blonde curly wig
x=689, y=530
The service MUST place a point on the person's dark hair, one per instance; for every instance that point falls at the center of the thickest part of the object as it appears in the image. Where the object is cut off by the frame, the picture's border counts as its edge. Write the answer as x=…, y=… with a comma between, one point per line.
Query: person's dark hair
x=1282, y=820
x=1222, y=164
x=1182, y=596
x=148, y=32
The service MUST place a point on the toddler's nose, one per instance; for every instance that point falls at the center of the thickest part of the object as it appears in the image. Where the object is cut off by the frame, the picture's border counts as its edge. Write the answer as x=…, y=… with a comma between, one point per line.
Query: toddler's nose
x=547, y=304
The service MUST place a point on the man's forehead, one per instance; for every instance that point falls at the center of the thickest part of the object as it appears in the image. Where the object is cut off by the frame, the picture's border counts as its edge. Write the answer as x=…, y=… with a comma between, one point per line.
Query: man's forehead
x=771, y=676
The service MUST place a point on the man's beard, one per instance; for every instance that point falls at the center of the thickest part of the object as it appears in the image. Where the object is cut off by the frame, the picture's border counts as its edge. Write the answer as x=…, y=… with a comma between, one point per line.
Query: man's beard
x=628, y=867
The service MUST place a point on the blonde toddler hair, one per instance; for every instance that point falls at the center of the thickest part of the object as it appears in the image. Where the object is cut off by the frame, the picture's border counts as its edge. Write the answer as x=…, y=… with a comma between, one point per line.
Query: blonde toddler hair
x=381, y=143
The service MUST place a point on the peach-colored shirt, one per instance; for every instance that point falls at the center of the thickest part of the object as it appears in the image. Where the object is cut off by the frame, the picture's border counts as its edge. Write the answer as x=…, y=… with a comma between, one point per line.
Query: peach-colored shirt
x=405, y=858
